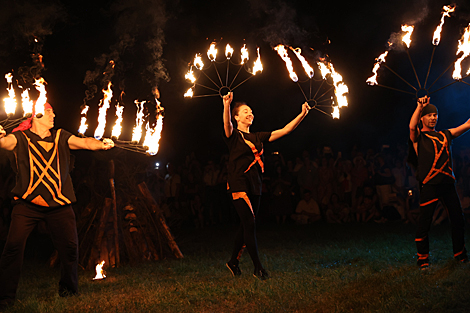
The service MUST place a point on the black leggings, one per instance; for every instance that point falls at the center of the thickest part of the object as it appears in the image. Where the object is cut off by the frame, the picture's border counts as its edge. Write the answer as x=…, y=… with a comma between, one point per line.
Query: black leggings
x=429, y=197
x=246, y=234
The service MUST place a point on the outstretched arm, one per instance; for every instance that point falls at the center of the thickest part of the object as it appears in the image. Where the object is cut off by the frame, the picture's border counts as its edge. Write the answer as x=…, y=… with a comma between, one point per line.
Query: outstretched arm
x=415, y=118
x=7, y=142
x=292, y=125
x=228, y=126
x=460, y=130
x=76, y=143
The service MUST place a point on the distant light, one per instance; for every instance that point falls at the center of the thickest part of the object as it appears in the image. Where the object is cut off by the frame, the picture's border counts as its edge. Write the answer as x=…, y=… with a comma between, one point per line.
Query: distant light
x=157, y=165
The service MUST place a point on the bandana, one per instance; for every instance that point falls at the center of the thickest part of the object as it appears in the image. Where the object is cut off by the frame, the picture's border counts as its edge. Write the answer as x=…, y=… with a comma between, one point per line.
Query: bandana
x=28, y=123
x=430, y=108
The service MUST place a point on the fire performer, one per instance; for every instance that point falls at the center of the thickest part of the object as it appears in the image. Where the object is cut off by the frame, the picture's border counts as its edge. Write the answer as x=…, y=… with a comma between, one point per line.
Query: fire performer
x=43, y=192
x=245, y=170
x=436, y=177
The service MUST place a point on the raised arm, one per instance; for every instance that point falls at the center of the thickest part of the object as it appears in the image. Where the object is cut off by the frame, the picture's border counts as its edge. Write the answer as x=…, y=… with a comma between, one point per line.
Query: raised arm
x=76, y=143
x=292, y=124
x=415, y=118
x=7, y=142
x=460, y=130
x=228, y=126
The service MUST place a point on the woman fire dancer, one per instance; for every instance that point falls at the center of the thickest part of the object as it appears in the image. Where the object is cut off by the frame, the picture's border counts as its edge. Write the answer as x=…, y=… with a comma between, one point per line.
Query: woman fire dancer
x=245, y=170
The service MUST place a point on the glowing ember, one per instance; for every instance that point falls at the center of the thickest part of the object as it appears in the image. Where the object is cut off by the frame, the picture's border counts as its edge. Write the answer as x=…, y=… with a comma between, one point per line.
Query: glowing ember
x=446, y=10
x=381, y=59
x=335, y=112
x=116, y=132
x=281, y=50
x=228, y=51
x=189, y=93
x=308, y=69
x=26, y=102
x=83, y=124
x=99, y=271
x=257, y=67
x=464, y=47
x=139, y=121
x=10, y=102
x=190, y=75
x=408, y=30
x=212, y=52
x=104, y=106
x=153, y=136
x=198, y=62
x=40, y=85
x=244, y=54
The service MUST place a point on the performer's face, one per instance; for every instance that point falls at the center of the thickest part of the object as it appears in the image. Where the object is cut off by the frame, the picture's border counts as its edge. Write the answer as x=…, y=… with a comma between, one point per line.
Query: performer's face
x=245, y=115
x=47, y=120
x=429, y=120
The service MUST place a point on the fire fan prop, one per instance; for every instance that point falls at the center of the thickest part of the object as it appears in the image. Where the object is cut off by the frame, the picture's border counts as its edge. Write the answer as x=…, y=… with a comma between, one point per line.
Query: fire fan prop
x=220, y=86
x=330, y=91
x=463, y=51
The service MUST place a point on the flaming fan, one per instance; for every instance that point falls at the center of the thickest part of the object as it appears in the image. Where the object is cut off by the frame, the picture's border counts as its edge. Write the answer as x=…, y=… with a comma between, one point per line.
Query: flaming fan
x=142, y=142
x=333, y=96
x=220, y=86
x=10, y=103
x=463, y=52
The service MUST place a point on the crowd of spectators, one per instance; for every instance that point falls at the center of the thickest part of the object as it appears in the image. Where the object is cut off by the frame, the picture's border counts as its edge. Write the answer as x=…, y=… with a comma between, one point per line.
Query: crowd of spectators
x=324, y=186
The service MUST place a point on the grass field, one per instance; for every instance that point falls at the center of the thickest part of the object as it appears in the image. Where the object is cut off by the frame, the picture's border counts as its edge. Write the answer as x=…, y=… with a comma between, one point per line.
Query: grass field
x=314, y=268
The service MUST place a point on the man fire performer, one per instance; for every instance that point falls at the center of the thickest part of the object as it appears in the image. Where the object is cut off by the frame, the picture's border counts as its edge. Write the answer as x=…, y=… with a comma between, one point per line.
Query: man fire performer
x=436, y=177
x=245, y=168
x=43, y=192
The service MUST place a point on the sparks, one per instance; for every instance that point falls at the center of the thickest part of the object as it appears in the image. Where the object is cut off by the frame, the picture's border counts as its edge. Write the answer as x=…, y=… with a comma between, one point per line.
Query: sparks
x=464, y=47
x=257, y=67
x=83, y=124
x=446, y=10
x=381, y=59
x=10, y=102
x=244, y=54
x=308, y=69
x=212, y=52
x=408, y=30
x=281, y=50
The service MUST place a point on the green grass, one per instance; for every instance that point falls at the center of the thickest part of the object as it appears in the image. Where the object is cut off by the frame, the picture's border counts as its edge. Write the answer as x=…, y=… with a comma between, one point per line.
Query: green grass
x=314, y=268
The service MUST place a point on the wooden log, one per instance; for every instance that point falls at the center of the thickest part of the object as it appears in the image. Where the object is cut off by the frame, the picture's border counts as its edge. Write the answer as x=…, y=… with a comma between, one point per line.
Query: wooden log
x=113, y=194
x=160, y=220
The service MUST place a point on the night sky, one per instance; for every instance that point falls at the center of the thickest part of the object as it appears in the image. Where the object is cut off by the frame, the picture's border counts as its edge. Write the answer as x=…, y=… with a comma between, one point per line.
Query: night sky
x=152, y=43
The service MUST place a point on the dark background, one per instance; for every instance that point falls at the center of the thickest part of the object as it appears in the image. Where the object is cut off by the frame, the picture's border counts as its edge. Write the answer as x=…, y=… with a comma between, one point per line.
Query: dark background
x=152, y=43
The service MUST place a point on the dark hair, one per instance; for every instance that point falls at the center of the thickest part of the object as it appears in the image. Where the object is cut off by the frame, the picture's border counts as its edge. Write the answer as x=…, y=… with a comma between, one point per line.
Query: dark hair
x=235, y=110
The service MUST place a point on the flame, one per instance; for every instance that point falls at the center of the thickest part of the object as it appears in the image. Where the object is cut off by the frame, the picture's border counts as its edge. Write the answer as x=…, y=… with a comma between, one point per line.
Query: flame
x=190, y=75
x=308, y=69
x=103, y=108
x=189, y=93
x=153, y=136
x=335, y=112
x=116, y=132
x=26, y=102
x=212, y=52
x=408, y=29
x=83, y=124
x=99, y=271
x=40, y=85
x=381, y=59
x=281, y=50
x=198, y=62
x=257, y=67
x=244, y=54
x=464, y=46
x=446, y=10
x=327, y=69
x=139, y=121
x=228, y=51
x=10, y=102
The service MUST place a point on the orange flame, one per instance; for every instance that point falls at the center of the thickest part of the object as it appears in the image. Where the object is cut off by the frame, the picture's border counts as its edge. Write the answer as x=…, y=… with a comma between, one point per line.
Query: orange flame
x=190, y=75
x=153, y=136
x=189, y=93
x=103, y=108
x=408, y=30
x=26, y=102
x=446, y=10
x=335, y=112
x=327, y=69
x=116, y=132
x=212, y=52
x=139, y=121
x=244, y=54
x=83, y=124
x=308, y=69
x=228, y=51
x=40, y=85
x=10, y=102
x=257, y=67
x=281, y=50
x=99, y=271
x=381, y=59
x=464, y=47
x=198, y=62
